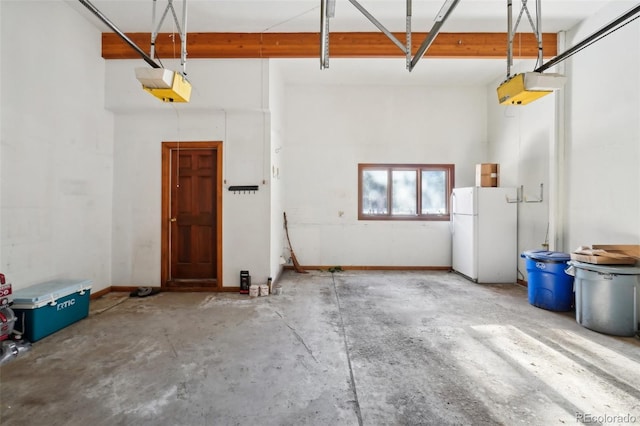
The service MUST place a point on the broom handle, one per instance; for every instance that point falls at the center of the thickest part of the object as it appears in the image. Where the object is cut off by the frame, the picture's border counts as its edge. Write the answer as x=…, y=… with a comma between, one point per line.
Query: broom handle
x=286, y=229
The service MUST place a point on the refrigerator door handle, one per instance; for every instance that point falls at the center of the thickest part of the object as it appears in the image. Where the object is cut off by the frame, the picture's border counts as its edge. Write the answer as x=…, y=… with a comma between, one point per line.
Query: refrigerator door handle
x=453, y=213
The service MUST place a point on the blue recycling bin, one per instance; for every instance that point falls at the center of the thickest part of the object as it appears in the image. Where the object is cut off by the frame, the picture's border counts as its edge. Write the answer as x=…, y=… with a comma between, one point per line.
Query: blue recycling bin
x=549, y=287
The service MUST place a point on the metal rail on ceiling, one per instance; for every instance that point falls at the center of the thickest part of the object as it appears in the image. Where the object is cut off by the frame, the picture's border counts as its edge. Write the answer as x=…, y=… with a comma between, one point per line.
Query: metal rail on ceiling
x=182, y=30
x=122, y=35
x=512, y=29
x=442, y=16
x=614, y=25
x=327, y=8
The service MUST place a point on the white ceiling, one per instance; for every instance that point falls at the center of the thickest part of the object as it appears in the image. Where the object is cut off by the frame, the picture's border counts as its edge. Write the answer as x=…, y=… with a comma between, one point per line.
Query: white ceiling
x=304, y=16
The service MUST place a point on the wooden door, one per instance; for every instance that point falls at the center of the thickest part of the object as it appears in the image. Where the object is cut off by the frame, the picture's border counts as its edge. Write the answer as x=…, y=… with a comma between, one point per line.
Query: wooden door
x=192, y=194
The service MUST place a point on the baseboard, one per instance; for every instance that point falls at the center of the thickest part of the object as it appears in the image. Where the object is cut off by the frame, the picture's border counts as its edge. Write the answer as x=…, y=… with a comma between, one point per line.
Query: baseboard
x=129, y=289
x=99, y=294
x=372, y=268
x=236, y=289
x=230, y=289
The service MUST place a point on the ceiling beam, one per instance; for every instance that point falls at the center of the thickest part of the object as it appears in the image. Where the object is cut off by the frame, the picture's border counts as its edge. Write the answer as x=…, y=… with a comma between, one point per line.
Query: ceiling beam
x=343, y=45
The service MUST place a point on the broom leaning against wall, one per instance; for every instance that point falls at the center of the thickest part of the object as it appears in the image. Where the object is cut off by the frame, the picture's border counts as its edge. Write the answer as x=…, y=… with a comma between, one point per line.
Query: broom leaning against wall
x=296, y=265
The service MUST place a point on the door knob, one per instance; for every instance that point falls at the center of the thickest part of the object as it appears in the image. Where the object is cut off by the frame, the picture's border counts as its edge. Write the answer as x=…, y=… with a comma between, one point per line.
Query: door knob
x=173, y=219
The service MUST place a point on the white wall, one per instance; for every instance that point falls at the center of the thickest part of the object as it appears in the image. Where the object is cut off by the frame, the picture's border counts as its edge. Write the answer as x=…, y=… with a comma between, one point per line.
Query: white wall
x=522, y=142
x=330, y=129
x=603, y=135
x=69, y=171
x=246, y=217
x=56, y=147
x=582, y=143
x=277, y=140
x=227, y=105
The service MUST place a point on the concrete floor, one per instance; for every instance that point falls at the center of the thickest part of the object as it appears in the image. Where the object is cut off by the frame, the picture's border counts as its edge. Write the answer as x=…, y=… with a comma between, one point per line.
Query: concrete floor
x=372, y=348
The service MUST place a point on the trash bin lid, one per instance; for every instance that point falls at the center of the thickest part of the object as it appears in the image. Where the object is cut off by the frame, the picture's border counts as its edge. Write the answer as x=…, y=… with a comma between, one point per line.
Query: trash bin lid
x=546, y=255
x=607, y=269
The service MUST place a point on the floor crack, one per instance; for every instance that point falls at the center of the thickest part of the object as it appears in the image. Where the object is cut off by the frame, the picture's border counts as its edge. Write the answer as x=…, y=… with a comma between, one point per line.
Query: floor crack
x=346, y=349
x=298, y=337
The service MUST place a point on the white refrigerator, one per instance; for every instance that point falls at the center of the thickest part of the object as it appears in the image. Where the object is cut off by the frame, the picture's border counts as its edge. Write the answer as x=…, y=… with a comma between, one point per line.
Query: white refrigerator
x=484, y=234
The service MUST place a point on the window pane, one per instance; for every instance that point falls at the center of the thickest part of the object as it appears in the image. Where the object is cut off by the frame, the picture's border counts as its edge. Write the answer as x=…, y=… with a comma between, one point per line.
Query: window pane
x=374, y=192
x=434, y=192
x=404, y=192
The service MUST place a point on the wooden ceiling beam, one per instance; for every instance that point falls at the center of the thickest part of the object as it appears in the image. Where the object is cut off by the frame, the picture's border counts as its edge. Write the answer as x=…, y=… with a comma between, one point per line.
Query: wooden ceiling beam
x=341, y=45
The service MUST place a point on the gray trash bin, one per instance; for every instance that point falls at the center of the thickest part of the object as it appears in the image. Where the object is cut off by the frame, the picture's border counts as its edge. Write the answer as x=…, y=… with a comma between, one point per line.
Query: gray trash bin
x=607, y=297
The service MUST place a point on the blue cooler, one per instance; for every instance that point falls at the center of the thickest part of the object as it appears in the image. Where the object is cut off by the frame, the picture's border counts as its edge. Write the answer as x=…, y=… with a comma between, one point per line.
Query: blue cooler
x=549, y=287
x=45, y=308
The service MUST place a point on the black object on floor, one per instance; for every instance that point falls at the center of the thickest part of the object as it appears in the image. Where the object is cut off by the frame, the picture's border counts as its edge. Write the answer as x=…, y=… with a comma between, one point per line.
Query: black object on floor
x=144, y=292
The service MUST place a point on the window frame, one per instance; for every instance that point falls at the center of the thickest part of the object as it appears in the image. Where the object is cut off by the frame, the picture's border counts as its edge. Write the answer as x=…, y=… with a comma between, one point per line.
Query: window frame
x=449, y=170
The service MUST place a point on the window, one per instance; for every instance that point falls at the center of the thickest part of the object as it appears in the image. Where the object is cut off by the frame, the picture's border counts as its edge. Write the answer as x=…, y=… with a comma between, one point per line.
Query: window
x=404, y=191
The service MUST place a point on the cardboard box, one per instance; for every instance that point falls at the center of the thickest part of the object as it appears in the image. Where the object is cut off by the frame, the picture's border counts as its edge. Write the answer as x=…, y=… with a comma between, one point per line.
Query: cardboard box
x=631, y=250
x=45, y=308
x=607, y=254
x=488, y=174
